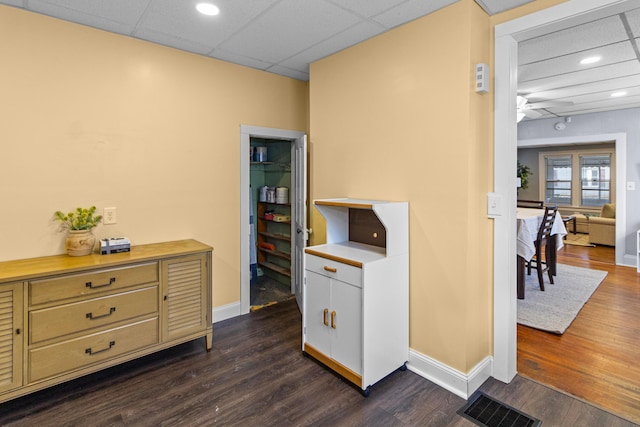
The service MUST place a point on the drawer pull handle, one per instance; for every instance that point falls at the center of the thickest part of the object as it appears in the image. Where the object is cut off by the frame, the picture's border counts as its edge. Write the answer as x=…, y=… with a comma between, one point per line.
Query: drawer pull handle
x=111, y=282
x=324, y=317
x=333, y=319
x=92, y=317
x=91, y=352
x=331, y=269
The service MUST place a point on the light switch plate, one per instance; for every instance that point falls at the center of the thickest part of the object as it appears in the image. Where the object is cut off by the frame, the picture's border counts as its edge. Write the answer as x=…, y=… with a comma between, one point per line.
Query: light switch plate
x=494, y=205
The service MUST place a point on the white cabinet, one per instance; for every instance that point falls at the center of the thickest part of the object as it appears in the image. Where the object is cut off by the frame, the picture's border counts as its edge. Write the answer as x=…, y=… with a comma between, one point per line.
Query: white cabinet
x=356, y=298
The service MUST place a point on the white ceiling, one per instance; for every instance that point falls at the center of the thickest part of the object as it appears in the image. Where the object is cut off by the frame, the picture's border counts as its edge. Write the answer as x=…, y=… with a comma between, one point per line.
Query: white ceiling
x=549, y=68
x=279, y=36
x=285, y=36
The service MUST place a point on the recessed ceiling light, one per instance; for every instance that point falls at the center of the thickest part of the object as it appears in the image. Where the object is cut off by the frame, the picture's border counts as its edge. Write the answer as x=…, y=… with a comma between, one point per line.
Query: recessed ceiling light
x=590, y=60
x=207, y=9
x=618, y=94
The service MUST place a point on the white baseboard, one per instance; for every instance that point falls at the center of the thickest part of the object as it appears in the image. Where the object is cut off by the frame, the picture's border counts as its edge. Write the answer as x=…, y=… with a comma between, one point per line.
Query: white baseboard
x=456, y=382
x=225, y=312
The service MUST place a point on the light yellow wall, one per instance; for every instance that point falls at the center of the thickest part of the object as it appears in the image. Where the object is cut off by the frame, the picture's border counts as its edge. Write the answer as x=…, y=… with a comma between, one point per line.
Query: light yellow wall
x=90, y=117
x=397, y=118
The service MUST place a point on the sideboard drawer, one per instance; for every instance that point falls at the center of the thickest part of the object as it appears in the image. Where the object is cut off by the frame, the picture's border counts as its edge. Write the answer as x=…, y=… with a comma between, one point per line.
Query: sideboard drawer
x=76, y=285
x=84, y=351
x=69, y=318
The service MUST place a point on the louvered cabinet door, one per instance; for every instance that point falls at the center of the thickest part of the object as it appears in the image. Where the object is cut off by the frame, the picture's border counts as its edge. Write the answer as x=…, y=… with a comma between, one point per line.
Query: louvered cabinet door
x=185, y=285
x=11, y=336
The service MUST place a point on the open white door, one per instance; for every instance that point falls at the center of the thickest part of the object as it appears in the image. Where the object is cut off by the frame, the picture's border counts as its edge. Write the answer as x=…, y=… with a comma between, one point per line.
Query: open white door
x=300, y=216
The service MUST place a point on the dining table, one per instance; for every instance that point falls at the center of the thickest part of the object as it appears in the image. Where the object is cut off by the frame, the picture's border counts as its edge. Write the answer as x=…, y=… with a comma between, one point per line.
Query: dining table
x=529, y=220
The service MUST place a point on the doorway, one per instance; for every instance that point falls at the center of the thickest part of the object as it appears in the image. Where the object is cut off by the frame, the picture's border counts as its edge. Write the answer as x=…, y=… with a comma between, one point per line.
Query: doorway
x=506, y=53
x=273, y=207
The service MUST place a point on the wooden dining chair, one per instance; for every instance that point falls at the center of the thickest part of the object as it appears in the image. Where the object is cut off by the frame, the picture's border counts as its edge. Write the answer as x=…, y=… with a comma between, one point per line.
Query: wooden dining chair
x=544, y=245
x=535, y=204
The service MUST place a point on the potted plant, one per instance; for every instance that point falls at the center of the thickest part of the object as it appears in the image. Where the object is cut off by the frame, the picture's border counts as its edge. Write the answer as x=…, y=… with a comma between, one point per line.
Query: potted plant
x=79, y=223
x=524, y=172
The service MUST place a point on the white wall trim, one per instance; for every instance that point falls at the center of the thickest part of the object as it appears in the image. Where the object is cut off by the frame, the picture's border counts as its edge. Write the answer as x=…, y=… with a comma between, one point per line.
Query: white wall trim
x=225, y=312
x=505, y=155
x=456, y=382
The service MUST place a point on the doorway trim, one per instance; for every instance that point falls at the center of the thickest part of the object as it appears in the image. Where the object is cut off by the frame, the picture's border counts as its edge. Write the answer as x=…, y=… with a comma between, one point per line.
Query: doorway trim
x=505, y=155
x=246, y=133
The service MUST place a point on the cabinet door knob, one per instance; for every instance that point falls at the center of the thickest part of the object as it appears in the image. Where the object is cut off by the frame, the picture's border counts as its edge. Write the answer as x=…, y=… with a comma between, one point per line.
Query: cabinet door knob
x=330, y=269
x=333, y=319
x=324, y=316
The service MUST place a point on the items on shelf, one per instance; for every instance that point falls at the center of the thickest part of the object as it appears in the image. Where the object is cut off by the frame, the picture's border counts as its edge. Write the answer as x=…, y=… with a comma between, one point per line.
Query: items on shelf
x=260, y=154
x=282, y=195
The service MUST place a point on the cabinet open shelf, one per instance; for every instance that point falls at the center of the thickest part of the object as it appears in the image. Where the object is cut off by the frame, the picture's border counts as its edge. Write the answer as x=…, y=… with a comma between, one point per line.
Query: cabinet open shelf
x=282, y=237
x=279, y=254
x=277, y=222
x=271, y=266
x=270, y=234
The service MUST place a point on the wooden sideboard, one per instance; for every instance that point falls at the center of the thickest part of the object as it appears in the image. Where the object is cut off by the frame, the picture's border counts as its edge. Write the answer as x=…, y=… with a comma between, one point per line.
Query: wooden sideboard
x=63, y=317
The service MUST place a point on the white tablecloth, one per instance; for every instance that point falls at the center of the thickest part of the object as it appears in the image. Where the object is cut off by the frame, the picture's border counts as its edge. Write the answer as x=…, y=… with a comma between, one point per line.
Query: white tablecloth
x=528, y=224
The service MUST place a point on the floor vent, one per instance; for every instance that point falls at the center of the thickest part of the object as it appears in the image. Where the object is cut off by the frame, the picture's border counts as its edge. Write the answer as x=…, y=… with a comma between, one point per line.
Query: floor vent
x=486, y=411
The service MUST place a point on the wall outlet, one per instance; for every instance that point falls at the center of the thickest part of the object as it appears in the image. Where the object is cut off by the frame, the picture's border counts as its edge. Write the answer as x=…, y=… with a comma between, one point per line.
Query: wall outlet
x=109, y=216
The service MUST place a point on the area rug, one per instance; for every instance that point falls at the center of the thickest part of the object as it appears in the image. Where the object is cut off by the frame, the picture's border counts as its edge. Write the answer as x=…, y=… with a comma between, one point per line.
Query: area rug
x=554, y=309
x=579, y=239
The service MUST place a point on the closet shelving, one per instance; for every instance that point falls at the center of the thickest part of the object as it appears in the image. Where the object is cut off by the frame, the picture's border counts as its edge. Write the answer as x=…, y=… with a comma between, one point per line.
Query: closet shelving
x=276, y=233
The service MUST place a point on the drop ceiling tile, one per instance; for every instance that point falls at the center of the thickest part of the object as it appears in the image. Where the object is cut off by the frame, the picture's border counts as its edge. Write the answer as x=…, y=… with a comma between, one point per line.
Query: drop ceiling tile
x=289, y=28
x=612, y=54
x=94, y=13
x=19, y=3
x=172, y=41
x=367, y=8
x=347, y=38
x=496, y=6
x=180, y=18
x=284, y=71
x=410, y=10
x=229, y=56
x=575, y=39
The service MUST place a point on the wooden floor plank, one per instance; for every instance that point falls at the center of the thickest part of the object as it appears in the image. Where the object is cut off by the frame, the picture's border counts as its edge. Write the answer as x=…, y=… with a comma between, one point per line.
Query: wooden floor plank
x=597, y=358
x=256, y=375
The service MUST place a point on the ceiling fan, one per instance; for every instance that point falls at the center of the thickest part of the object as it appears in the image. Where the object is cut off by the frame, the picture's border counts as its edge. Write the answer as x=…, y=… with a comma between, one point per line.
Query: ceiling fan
x=527, y=109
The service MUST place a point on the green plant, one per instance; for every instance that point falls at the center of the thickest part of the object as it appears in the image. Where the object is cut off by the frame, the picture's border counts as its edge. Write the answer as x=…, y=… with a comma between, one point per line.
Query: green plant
x=524, y=172
x=80, y=219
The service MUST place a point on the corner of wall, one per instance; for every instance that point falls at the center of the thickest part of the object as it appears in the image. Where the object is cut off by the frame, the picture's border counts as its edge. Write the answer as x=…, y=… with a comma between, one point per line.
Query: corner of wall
x=456, y=382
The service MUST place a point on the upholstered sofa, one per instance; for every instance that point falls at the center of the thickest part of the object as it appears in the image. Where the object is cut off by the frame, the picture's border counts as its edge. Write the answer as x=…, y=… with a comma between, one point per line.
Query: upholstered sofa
x=602, y=229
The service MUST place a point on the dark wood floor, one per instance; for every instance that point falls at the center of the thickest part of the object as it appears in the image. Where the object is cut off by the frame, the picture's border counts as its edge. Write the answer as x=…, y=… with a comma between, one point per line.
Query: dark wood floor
x=256, y=375
x=598, y=357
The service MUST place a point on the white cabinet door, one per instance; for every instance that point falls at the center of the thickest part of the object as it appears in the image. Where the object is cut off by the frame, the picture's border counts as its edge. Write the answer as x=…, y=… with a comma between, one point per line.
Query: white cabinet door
x=346, y=325
x=333, y=319
x=316, y=313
